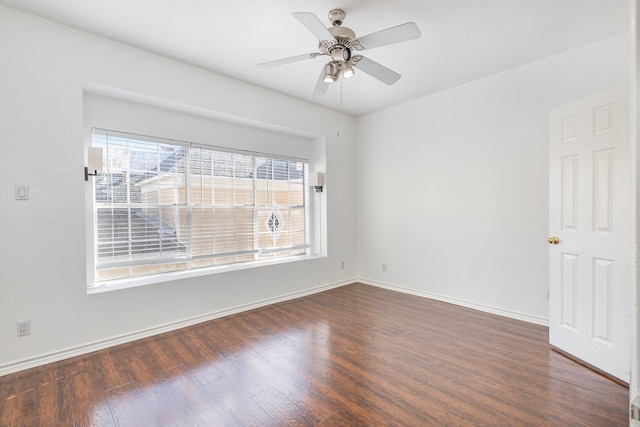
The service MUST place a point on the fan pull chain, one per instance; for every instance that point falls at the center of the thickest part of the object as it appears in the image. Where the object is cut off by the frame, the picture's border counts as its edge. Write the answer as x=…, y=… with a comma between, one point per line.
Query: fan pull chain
x=338, y=113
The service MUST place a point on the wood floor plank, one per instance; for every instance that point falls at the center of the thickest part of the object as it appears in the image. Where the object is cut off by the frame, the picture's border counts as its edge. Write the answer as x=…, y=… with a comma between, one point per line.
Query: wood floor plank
x=236, y=402
x=88, y=406
x=355, y=355
x=19, y=409
x=283, y=411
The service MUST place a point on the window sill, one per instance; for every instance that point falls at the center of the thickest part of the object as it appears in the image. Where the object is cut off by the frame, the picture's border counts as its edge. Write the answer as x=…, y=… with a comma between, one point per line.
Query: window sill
x=135, y=282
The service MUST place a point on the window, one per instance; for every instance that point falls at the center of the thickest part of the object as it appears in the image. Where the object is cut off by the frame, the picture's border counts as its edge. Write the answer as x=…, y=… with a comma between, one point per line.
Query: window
x=163, y=205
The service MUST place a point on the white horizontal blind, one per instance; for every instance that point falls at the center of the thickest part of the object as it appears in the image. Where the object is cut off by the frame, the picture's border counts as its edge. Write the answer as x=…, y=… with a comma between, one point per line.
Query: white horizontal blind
x=163, y=205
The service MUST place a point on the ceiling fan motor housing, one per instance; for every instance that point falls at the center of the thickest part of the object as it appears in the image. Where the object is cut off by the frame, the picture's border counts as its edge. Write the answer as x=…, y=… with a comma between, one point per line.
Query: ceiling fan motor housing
x=340, y=50
x=342, y=33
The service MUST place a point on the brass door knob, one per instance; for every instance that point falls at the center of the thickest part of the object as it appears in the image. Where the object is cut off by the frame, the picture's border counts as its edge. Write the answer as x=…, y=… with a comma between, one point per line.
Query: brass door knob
x=554, y=240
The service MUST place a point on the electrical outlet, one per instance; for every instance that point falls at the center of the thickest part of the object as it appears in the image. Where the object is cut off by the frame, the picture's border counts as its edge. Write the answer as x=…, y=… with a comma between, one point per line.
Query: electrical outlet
x=384, y=266
x=342, y=265
x=24, y=328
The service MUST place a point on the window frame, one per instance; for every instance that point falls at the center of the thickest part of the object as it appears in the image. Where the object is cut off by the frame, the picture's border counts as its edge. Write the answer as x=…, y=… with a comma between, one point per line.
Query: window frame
x=125, y=282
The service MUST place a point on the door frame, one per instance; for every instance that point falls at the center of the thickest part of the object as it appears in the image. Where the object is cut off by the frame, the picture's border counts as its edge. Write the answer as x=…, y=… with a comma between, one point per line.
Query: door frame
x=634, y=167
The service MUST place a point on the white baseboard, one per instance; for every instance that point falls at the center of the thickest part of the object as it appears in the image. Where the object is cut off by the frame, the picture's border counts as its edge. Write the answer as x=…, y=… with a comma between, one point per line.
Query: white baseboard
x=56, y=356
x=468, y=304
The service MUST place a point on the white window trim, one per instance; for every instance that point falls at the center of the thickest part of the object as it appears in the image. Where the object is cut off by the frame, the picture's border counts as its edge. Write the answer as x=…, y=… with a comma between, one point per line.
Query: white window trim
x=134, y=282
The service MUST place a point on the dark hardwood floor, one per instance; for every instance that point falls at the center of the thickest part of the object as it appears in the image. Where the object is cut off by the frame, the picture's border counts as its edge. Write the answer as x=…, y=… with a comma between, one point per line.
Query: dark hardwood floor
x=353, y=356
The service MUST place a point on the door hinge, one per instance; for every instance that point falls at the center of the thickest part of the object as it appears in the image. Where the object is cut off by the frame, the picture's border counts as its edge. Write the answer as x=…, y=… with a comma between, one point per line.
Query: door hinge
x=634, y=413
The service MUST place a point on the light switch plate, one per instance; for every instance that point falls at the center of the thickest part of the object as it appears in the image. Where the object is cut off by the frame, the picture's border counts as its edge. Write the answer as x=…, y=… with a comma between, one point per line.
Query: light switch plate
x=22, y=192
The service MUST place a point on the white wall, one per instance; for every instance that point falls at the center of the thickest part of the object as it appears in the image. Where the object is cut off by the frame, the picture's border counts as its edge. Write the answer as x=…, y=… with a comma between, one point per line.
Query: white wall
x=42, y=256
x=453, y=187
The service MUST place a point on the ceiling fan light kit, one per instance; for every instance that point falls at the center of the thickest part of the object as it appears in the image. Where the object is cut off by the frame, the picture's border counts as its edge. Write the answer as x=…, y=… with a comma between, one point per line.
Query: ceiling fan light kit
x=347, y=70
x=339, y=42
x=331, y=72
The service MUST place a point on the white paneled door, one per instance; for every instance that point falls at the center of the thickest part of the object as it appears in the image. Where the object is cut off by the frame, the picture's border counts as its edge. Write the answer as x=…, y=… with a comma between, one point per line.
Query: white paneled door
x=589, y=240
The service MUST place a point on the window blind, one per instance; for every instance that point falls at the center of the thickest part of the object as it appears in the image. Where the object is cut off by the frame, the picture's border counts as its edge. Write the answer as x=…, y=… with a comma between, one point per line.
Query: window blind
x=164, y=205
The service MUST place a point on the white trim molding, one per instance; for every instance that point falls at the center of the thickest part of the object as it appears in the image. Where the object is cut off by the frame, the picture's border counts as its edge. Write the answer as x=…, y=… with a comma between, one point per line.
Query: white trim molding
x=468, y=304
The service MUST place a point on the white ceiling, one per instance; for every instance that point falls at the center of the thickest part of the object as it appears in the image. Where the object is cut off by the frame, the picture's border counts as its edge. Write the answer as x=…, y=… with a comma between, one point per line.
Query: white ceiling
x=462, y=40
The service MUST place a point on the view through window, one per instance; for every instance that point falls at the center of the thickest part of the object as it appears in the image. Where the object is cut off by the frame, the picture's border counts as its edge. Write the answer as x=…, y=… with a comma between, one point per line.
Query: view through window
x=162, y=206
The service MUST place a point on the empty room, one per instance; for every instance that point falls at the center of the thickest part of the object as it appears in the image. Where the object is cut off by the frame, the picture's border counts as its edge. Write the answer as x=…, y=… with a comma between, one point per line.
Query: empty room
x=311, y=213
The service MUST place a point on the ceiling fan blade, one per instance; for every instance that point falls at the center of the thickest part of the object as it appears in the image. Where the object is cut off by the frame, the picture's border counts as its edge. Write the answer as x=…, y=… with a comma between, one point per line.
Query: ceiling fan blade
x=400, y=33
x=376, y=70
x=321, y=86
x=314, y=25
x=288, y=60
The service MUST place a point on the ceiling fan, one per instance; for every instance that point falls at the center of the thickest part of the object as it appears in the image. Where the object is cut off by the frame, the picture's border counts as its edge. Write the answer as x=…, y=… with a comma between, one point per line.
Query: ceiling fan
x=340, y=42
